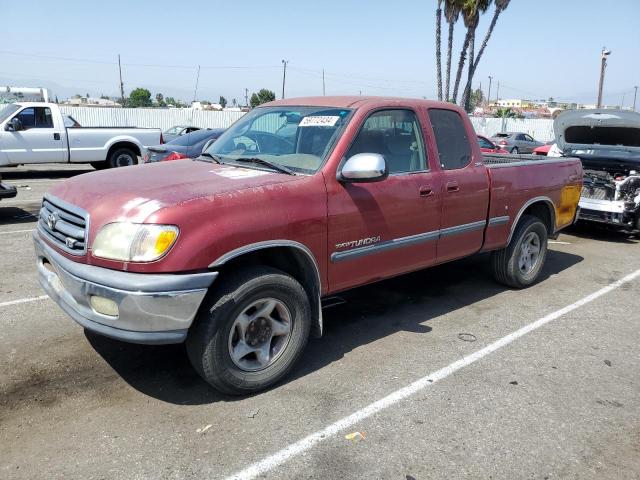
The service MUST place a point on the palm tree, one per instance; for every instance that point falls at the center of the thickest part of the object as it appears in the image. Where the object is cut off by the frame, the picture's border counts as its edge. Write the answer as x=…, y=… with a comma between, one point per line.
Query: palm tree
x=451, y=14
x=501, y=5
x=471, y=16
x=438, y=52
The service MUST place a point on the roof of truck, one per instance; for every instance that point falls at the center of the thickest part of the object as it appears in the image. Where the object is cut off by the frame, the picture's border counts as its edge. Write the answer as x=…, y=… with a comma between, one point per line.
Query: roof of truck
x=356, y=101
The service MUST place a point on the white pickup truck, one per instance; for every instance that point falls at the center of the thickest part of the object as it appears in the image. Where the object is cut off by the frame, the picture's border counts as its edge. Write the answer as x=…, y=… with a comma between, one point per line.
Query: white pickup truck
x=40, y=133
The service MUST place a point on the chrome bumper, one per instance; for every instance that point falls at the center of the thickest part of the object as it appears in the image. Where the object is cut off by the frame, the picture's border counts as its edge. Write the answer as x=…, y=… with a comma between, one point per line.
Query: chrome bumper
x=152, y=308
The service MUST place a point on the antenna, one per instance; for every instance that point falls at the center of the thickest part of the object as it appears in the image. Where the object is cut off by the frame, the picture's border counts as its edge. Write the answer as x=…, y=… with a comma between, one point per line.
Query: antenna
x=323, y=89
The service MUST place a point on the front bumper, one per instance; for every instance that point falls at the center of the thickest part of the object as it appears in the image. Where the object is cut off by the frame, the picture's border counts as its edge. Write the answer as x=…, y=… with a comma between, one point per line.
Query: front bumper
x=610, y=212
x=152, y=308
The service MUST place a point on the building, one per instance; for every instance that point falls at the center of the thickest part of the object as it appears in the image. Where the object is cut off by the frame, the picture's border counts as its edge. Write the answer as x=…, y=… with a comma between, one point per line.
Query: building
x=91, y=102
x=513, y=103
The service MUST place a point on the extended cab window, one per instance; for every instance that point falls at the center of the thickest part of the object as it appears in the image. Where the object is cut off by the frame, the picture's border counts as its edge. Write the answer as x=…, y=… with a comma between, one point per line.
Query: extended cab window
x=453, y=144
x=397, y=136
x=36, y=117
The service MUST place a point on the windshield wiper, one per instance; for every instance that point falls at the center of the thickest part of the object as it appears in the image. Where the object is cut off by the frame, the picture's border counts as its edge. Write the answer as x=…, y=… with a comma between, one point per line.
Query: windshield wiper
x=267, y=163
x=213, y=157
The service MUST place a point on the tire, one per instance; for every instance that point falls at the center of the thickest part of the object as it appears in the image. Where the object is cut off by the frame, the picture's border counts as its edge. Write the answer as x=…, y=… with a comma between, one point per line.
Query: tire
x=514, y=150
x=216, y=330
x=99, y=165
x=507, y=263
x=122, y=157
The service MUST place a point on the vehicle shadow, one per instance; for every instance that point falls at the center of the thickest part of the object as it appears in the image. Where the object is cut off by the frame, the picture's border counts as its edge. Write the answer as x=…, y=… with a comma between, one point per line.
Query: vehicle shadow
x=594, y=231
x=26, y=172
x=16, y=216
x=404, y=303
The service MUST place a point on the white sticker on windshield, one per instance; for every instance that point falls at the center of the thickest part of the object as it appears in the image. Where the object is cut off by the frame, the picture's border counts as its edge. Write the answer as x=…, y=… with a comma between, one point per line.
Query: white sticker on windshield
x=236, y=173
x=319, y=121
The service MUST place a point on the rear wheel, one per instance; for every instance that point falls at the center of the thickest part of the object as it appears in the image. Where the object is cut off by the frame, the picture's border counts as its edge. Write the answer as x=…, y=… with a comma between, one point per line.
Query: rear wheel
x=520, y=263
x=122, y=157
x=251, y=332
x=514, y=150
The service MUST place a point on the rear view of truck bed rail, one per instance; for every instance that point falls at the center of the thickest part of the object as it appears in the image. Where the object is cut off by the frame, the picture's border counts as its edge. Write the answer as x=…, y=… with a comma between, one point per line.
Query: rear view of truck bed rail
x=499, y=160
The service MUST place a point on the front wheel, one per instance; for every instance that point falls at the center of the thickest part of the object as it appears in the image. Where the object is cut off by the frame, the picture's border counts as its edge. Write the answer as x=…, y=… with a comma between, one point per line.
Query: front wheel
x=514, y=150
x=251, y=332
x=520, y=263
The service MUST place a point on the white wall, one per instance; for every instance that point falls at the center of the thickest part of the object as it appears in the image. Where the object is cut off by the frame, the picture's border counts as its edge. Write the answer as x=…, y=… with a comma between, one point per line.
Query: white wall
x=150, y=117
x=540, y=129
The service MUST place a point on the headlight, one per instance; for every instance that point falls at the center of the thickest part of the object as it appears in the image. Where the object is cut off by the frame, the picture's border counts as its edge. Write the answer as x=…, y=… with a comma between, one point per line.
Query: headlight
x=134, y=242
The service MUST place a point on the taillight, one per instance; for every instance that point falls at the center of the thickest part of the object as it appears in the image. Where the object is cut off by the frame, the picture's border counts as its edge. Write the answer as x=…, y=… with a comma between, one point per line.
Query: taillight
x=503, y=142
x=174, y=156
x=161, y=139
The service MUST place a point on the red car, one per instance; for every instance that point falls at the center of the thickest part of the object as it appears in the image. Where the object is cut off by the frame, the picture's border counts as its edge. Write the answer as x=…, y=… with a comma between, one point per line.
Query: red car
x=543, y=150
x=487, y=146
x=234, y=251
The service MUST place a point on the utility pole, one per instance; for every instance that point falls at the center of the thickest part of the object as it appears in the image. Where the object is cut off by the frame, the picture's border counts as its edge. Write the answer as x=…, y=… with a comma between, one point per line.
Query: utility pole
x=489, y=93
x=121, y=84
x=498, y=91
x=622, y=103
x=246, y=97
x=195, y=92
x=323, y=89
x=284, y=74
x=635, y=94
x=603, y=64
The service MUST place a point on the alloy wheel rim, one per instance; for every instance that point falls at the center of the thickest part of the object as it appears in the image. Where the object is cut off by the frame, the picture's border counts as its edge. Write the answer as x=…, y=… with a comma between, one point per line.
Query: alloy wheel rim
x=529, y=253
x=260, y=334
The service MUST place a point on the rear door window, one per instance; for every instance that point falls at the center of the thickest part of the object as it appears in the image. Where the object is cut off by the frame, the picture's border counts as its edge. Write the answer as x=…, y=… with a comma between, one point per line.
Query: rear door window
x=454, y=148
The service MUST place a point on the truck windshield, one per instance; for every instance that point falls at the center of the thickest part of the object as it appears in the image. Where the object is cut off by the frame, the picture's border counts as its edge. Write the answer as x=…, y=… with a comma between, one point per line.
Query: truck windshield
x=299, y=138
x=8, y=110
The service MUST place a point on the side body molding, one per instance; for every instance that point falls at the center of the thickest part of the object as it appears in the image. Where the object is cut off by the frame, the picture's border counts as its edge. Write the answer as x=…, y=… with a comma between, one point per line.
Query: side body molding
x=315, y=289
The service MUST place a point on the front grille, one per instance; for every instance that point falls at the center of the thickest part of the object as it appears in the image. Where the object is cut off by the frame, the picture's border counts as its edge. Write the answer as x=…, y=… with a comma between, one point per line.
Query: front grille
x=597, y=192
x=65, y=225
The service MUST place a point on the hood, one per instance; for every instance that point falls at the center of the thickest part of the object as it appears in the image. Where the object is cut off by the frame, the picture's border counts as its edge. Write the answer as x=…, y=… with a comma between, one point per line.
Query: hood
x=134, y=193
x=593, y=132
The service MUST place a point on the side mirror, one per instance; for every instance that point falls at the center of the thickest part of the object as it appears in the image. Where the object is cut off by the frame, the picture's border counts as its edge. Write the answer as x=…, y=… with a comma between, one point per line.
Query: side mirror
x=364, y=167
x=13, y=125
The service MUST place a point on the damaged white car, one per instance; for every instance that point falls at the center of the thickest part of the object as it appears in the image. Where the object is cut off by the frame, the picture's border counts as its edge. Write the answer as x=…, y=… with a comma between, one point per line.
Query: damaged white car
x=608, y=144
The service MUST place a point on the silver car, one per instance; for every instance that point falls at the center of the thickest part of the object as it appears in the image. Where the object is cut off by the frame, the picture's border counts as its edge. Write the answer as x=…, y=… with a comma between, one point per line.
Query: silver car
x=516, y=142
x=177, y=131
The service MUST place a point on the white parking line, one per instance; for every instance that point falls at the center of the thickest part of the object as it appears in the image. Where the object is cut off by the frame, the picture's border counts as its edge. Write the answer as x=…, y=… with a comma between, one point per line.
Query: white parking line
x=17, y=231
x=23, y=300
x=559, y=242
x=301, y=446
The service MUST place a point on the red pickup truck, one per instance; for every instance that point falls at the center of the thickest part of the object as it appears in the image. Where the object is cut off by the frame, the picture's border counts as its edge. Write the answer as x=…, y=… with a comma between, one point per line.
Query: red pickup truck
x=234, y=251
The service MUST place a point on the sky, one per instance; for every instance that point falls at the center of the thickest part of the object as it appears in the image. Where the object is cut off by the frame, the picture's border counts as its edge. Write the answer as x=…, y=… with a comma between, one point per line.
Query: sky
x=539, y=48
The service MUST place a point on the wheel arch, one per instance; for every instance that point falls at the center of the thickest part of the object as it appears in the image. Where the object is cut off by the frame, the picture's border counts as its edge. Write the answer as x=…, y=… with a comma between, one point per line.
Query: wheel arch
x=123, y=144
x=540, y=207
x=292, y=258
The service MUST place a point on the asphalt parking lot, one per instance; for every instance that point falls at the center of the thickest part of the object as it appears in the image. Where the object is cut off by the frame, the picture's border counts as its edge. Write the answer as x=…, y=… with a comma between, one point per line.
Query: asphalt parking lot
x=498, y=395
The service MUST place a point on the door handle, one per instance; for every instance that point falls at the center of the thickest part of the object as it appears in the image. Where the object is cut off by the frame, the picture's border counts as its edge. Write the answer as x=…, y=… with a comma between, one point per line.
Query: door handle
x=426, y=191
x=56, y=136
x=453, y=187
